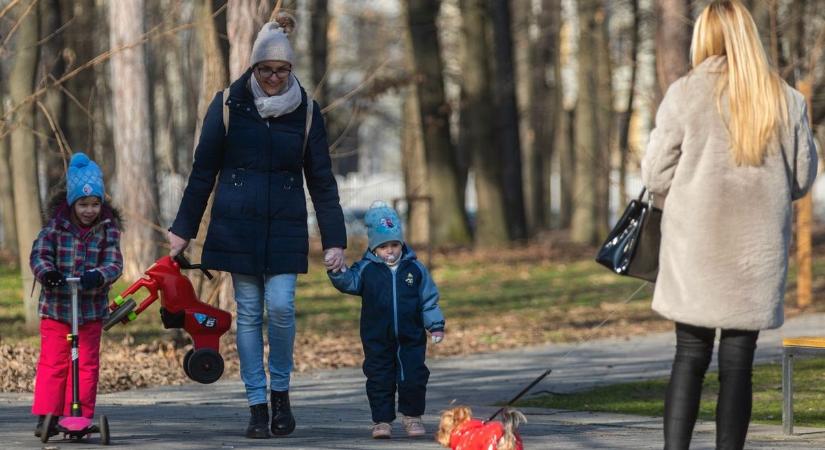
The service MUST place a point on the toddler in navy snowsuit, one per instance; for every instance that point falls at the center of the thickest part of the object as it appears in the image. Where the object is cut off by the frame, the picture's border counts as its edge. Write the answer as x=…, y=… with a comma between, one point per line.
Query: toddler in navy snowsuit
x=399, y=305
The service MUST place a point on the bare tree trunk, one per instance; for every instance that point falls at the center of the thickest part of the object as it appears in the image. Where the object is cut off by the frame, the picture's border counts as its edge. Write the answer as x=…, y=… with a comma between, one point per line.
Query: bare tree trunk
x=9, y=243
x=135, y=184
x=523, y=20
x=624, y=126
x=592, y=126
x=414, y=163
x=476, y=133
x=448, y=195
x=318, y=49
x=546, y=108
x=414, y=167
x=506, y=123
x=23, y=150
x=803, y=78
x=103, y=125
x=243, y=20
x=213, y=65
x=673, y=34
x=566, y=147
x=80, y=47
x=52, y=151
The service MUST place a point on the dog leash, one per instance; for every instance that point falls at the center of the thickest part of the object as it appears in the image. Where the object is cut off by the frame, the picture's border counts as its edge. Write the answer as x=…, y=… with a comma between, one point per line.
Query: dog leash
x=520, y=394
x=581, y=341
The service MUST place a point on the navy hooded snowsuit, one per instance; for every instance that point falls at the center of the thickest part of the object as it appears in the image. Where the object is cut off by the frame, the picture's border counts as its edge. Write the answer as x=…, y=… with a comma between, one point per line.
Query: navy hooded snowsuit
x=396, y=309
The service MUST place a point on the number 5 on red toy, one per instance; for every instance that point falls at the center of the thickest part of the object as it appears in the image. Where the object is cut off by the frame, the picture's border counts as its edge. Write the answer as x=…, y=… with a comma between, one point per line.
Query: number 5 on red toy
x=180, y=308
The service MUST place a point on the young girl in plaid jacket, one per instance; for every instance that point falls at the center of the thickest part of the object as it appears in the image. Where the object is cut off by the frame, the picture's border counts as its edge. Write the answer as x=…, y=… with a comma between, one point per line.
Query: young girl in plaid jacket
x=81, y=239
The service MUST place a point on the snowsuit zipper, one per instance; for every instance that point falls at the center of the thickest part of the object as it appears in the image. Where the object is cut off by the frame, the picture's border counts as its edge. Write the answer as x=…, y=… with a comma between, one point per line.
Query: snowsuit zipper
x=395, y=321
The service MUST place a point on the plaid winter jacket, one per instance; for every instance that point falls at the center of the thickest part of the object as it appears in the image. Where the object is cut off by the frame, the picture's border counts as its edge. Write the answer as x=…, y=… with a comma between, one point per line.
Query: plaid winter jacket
x=62, y=246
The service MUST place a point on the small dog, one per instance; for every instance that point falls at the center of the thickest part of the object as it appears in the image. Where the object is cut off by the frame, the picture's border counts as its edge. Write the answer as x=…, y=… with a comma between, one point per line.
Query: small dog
x=459, y=431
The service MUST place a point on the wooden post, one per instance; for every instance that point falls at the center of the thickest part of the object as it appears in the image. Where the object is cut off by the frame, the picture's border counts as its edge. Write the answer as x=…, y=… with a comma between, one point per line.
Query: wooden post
x=804, y=215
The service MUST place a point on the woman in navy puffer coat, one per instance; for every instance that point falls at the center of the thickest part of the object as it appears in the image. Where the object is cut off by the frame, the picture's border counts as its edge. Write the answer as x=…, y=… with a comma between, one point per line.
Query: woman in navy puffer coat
x=258, y=226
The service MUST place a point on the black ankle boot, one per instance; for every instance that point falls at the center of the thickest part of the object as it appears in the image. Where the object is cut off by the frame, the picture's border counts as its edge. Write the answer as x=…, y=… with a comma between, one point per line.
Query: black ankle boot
x=257, y=428
x=39, y=427
x=283, y=422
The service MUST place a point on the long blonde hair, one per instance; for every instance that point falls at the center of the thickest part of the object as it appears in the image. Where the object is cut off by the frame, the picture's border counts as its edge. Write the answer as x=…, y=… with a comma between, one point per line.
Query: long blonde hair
x=758, y=106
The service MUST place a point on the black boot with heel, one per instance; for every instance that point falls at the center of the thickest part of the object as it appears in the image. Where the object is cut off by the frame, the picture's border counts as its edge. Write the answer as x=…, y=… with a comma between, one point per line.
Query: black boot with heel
x=283, y=423
x=258, y=422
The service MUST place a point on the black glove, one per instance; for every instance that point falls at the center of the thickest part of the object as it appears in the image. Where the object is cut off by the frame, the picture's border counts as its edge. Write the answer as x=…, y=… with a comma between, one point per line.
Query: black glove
x=92, y=279
x=53, y=279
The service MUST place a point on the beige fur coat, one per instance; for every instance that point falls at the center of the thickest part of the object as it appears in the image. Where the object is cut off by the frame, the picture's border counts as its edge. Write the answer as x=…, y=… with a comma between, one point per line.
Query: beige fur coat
x=725, y=228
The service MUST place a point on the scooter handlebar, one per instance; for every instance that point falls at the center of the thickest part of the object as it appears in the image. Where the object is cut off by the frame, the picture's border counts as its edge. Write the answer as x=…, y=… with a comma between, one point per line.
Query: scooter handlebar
x=185, y=264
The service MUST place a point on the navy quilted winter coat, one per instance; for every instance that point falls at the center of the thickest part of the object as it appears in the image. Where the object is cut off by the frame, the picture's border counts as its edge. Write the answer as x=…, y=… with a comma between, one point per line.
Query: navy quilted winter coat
x=259, y=213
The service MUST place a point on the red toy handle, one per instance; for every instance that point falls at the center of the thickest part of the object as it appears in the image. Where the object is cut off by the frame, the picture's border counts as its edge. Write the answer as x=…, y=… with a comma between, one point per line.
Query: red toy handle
x=150, y=285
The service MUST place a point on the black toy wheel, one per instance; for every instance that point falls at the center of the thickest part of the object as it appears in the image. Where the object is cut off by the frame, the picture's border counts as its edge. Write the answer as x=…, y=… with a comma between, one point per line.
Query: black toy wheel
x=120, y=313
x=103, y=424
x=186, y=359
x=205, y=366
x=44, y=429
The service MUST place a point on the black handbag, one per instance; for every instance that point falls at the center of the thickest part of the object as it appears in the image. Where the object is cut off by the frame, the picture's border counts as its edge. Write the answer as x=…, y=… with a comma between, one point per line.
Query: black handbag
x=632, y=247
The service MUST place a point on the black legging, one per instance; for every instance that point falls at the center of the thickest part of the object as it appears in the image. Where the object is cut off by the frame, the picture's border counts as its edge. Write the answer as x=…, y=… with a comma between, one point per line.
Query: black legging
x=694, y=347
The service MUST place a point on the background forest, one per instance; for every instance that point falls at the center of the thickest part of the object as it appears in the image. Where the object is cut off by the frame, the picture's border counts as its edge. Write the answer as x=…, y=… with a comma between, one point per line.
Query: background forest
x=490, y=123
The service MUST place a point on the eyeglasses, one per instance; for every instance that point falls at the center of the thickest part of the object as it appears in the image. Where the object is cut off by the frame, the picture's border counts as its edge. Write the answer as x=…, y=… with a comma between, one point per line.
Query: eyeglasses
x=266, y=72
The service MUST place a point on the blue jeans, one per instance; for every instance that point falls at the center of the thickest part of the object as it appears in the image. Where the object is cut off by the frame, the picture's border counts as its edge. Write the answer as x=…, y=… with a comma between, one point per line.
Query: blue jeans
x=278, y=293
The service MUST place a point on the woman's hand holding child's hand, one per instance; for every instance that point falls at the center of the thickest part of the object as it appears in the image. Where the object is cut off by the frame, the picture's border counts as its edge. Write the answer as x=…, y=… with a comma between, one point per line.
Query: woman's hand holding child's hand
x=176, y=243
x=438, y=336
x=334, y=260
x=53, y=279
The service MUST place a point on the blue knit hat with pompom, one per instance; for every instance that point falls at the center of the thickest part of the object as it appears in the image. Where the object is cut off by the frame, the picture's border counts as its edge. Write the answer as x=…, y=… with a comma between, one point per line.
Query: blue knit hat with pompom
x=84, y=178
x=383, y=225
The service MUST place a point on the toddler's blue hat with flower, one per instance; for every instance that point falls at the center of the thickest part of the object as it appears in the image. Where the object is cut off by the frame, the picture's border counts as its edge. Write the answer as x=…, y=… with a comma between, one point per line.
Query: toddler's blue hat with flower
x=383, y=225
x=84, y=178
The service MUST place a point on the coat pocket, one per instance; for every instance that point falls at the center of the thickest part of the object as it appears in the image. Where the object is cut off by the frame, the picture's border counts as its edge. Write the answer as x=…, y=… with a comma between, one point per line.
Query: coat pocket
x=232, y=194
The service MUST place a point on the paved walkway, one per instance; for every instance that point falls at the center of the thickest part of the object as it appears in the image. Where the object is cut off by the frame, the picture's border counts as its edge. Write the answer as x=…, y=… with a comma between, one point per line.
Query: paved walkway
x=333, y=413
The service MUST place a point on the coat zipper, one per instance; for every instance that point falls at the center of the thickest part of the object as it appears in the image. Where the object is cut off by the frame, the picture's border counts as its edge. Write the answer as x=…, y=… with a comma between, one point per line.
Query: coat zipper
x=395, y=321
x=268, y=193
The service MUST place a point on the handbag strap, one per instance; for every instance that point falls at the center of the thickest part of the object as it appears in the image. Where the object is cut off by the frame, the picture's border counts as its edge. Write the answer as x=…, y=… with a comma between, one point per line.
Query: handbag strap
x=641, y=197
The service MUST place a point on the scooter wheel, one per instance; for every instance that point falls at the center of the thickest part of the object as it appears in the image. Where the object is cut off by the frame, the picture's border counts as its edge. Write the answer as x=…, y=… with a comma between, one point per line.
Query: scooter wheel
x=120, y=313
x=205, y=366
x=103, y=423
x=186, y=358
x=44, y=429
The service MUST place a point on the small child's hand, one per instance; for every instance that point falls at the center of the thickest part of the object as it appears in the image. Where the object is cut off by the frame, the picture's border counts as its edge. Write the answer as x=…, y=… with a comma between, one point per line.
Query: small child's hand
x=438, y=336
x=91, y=279
x=53, y=279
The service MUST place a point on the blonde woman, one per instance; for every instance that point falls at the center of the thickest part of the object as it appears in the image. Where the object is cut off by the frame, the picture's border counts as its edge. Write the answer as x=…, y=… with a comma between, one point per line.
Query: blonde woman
x=731, y=150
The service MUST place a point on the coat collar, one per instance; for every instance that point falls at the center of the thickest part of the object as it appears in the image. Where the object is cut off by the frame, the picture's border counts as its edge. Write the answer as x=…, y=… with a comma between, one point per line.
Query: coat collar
x=407, y=254
x=713, y=64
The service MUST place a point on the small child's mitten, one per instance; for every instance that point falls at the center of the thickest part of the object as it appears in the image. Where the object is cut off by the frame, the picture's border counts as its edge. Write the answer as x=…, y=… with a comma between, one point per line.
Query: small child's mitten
x=92, y=279
x=53, y=279
x=438, y=336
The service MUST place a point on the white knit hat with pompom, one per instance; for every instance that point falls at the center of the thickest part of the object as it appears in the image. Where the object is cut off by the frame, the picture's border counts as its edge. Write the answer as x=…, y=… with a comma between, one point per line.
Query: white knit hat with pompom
x=272, y=43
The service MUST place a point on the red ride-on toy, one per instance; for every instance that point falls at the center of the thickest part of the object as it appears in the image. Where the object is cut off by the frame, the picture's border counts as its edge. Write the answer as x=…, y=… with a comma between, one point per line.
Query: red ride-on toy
x=180, y=308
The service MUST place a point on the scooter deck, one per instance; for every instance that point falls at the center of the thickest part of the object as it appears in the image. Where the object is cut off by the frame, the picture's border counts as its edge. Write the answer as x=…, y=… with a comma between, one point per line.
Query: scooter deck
x=77, y=434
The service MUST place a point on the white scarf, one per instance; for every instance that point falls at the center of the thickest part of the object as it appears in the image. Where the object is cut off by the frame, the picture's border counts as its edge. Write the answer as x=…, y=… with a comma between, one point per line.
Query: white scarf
x=279, y=104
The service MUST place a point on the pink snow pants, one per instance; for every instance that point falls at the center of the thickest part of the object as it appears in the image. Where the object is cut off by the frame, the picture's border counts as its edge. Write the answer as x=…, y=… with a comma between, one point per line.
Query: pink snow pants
x=53, y=382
